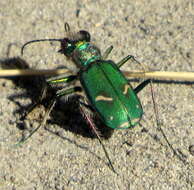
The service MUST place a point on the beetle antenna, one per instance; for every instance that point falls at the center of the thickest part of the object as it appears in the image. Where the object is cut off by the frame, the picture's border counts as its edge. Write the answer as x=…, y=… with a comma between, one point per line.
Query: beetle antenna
x=67, y=30
x=40, y=40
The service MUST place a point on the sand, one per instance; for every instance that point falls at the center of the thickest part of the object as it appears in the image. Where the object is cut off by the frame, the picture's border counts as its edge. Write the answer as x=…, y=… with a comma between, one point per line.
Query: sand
x=159, y=34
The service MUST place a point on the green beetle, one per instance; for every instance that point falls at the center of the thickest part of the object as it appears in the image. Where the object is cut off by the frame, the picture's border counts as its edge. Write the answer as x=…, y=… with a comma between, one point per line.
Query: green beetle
x=108, y=91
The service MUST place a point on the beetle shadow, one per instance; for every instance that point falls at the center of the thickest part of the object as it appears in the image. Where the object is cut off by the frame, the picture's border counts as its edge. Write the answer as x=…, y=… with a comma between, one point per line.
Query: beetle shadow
x=31, y=85
x=66, y=114
x=165, y=81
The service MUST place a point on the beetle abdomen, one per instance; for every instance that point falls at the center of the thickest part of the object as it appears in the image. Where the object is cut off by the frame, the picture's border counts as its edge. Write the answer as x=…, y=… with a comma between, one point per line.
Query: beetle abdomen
x=111, y=95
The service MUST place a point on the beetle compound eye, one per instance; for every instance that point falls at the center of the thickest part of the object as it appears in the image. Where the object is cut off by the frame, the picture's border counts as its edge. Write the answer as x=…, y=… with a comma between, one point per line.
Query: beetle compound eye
x=84, y=35
x=67, y=47
x=64, y=43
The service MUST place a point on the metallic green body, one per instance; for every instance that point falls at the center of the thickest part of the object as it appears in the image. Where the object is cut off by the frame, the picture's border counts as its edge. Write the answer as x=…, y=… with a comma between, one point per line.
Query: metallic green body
x=107, y=89
x=110, y=94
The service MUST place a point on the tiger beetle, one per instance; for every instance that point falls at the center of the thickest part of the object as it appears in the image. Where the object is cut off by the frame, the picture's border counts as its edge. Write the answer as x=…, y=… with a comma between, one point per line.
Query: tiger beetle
x=108, y=92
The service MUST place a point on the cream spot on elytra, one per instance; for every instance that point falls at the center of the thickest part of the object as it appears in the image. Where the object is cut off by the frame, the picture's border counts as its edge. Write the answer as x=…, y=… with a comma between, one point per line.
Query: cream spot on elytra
x=134, y=121
x=124, y=125
x=126, y=87
x=103, y=98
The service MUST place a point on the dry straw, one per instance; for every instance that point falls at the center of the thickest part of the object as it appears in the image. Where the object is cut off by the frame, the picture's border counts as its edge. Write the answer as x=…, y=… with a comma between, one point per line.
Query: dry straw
x=162, y=75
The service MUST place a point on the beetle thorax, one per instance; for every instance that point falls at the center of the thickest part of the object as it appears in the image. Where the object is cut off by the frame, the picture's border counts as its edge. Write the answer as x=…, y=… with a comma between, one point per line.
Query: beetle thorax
x=85, y=53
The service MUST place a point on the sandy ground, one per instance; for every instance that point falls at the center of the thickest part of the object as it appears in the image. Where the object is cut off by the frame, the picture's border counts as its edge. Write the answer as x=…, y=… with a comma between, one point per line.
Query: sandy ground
x=158, y=33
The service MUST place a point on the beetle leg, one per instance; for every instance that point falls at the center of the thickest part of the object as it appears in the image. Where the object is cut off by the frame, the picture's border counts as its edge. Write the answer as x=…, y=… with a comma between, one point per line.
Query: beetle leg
x=61, y=79
x=84, y=110
x=59, y=93
x=53, y=81
x=35, y=103
x=124, y=60
x=141, y=86
x=65, y=92
x=24, y=139
x=107, y=52
x=88, y=113
x=158, y=124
